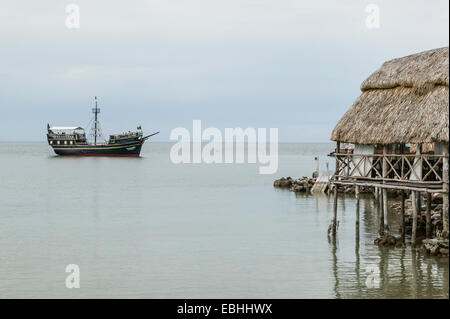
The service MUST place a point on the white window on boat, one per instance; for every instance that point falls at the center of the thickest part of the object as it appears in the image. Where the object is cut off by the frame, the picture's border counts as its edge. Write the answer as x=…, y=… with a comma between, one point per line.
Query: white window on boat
x=57, y=142
x=65, y=142
x=51, y=142
x=71, y=142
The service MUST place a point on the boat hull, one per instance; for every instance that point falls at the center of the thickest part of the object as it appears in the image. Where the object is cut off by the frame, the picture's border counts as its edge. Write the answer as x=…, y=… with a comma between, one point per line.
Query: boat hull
x=131, y=150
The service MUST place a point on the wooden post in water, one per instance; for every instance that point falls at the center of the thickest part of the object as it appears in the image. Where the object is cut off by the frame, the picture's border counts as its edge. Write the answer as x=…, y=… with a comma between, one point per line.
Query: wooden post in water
x=335, y=203
x=385, y=197
x=357, y=205
x=335, y=193
x=403, y=216
x=381, y=210
x=428, y=227
x=415, y=195
x=445, y=187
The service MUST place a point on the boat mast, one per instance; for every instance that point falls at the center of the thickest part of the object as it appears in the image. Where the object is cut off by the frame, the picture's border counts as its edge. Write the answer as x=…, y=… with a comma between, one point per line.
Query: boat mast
x=95, y=110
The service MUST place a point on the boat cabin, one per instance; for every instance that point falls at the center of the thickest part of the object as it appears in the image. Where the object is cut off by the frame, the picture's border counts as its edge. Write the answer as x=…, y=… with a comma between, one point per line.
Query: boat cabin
x=66, y=135
x=125, y=137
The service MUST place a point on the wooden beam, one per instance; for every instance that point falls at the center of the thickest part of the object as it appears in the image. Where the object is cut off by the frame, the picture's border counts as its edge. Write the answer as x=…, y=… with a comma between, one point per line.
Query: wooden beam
x=428, y=226
x=379, y=185
x=390, y=180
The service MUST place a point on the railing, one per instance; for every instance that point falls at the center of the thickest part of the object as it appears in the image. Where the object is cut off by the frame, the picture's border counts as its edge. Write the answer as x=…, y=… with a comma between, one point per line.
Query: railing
x=66, y=136
x=412, y=168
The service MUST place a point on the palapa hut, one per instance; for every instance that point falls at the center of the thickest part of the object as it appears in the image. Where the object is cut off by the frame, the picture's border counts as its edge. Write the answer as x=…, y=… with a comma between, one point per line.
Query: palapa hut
x=399, y=130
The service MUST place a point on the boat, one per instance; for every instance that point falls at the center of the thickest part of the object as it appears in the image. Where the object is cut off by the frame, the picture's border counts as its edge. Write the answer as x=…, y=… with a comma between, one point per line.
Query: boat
x=72, y=141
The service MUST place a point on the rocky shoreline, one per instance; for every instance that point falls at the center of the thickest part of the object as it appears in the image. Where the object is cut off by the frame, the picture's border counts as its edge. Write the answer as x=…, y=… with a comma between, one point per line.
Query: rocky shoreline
x=303, y=184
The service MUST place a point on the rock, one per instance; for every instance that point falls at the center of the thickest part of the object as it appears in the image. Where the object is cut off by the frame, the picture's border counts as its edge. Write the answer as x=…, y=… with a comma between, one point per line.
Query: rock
x=434, y=250
x=392, y=241
x=283, y=182
x=400, y=244
x=302, y=184
x=298, y=188
x=389, y=240
x=423, y=250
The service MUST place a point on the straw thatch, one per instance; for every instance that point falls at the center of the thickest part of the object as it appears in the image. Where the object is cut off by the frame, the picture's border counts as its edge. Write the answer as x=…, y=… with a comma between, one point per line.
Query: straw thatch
x=405, y=101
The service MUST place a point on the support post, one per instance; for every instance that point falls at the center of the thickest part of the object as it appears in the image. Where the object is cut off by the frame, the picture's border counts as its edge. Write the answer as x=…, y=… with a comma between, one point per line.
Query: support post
x=335, y=203
x=385, y=197
x=403, y=217
x=415, y=195
x=357, y=205
x=428, y=226
x=335, y=190
x=445, y=186
x=381, y=209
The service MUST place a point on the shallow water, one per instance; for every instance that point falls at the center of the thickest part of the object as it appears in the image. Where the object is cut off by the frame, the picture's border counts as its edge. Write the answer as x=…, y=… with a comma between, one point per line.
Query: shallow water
x=147, y=228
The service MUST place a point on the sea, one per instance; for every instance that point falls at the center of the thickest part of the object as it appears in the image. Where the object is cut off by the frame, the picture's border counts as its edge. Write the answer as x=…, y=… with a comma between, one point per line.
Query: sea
x=148, y=228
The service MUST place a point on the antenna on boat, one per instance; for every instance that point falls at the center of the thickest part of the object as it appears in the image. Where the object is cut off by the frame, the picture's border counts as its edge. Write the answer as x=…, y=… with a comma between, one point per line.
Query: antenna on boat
x=95, y=110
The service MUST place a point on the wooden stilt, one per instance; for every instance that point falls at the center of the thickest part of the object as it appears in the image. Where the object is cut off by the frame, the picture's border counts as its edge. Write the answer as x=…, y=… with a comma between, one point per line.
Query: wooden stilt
x=428, y=226
x=415, y=212
x=335, y=190
x=403, y=216
x=385, y=197
x=357, y=205
x=335, y=203
x=446, y=189
x=385, y=211
x=381, y=210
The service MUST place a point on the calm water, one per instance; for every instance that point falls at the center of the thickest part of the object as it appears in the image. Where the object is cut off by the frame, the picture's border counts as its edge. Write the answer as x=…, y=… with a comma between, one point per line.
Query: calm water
x=147, y=228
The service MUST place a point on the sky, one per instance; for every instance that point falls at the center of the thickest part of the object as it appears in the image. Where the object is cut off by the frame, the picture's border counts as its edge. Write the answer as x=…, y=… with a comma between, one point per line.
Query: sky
x=290, y=64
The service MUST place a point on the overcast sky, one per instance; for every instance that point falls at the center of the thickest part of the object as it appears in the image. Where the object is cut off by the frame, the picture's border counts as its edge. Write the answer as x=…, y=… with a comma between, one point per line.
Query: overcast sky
x=296, y=65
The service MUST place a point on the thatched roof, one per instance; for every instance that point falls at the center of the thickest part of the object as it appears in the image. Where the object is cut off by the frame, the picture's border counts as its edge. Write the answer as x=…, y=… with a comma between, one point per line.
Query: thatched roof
x=405, y=101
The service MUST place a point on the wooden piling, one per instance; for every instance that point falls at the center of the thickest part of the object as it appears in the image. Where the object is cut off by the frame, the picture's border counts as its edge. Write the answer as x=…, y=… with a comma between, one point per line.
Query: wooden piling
x=335, y=203
x=446, y=188
x=357, y=205
x=385, y=210
x=381, y=210
x=403, y=216
x=385, y=197
x=428, y=226
x=415, y=195
x=335, y=190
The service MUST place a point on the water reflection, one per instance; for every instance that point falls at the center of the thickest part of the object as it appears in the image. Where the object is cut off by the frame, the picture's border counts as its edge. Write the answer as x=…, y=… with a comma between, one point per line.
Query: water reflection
x=403, y=273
